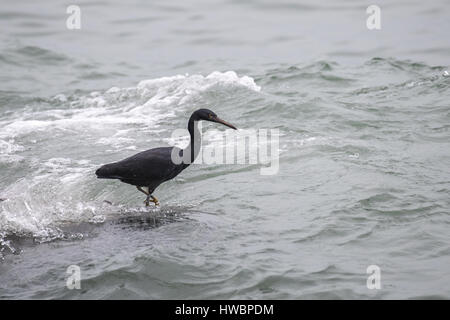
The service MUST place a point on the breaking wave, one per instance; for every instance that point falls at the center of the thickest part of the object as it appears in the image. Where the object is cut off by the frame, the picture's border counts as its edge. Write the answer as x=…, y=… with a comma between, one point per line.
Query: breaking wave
x=54, y=191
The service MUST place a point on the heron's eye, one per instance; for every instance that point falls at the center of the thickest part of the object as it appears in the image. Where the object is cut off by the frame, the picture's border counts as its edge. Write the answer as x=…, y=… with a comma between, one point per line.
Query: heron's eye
x=210, y=116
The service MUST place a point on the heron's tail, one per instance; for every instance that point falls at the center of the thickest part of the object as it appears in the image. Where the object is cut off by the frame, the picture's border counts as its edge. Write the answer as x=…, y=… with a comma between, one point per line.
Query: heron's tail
x=106, y=172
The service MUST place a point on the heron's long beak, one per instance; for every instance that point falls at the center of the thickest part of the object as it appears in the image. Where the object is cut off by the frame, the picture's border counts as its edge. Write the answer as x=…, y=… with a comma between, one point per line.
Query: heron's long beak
x=217, y=119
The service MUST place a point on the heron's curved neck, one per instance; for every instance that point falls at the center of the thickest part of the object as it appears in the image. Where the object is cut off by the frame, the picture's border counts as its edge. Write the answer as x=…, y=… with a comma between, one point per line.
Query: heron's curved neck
x=196, y=138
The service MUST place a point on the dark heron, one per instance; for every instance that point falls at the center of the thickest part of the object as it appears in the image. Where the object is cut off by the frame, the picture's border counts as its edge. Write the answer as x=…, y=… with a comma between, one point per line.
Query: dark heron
x=148, y=169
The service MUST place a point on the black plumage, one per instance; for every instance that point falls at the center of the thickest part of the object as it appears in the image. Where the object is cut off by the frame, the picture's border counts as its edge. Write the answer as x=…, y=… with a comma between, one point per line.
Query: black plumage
x=150, y=168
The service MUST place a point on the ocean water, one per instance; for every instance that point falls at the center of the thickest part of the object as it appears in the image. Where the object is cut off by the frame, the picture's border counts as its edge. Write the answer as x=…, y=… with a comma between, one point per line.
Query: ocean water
x=363, y=118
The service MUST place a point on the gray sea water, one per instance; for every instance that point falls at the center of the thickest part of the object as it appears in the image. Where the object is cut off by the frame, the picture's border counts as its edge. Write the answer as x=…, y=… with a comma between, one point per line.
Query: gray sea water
x=363, y=119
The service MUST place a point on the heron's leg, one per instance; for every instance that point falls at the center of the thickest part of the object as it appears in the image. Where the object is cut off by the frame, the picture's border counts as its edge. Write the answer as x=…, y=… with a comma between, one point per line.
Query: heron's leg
x=147, y=200
x=142, y=190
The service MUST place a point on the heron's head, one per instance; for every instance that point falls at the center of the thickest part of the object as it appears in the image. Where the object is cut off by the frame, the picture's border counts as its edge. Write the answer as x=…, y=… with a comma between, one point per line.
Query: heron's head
x=208, y=115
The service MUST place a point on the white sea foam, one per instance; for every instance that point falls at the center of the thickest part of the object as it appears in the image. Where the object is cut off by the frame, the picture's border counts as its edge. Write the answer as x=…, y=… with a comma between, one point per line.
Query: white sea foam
x=37, y=205
x=145, y=104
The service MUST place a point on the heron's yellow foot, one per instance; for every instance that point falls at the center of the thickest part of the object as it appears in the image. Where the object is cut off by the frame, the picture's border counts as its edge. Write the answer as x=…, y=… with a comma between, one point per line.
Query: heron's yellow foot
x=153, y=199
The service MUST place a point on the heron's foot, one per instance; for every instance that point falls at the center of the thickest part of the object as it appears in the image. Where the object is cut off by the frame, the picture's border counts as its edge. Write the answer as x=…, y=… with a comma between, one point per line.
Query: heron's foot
x=149, y=199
